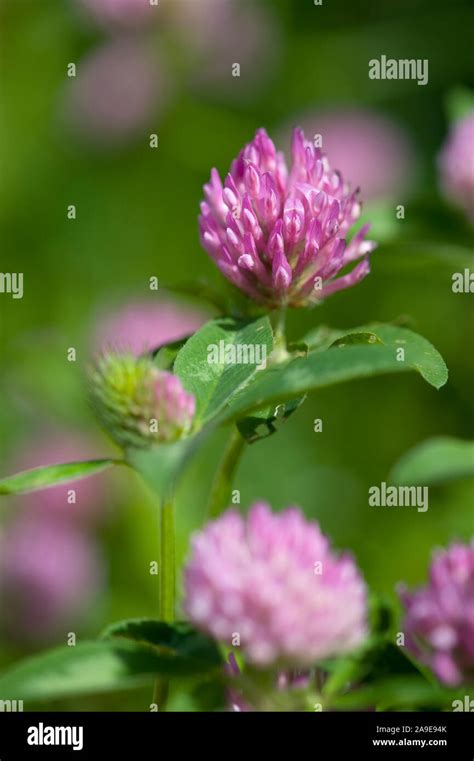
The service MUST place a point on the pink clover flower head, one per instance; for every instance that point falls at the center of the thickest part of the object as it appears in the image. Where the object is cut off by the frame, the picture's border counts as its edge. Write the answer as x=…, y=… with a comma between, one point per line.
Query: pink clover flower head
x=121, y=13
x=221, y=33
x=119, y=89
x=368, y=147
x=142, y=326
x=439, y=618
x=280, y=235
x=50, y=572
x=456, y=164
x=275, y=581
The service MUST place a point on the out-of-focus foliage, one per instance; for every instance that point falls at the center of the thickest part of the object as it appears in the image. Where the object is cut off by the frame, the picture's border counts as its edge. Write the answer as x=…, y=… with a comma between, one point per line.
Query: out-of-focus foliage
x=136, y=219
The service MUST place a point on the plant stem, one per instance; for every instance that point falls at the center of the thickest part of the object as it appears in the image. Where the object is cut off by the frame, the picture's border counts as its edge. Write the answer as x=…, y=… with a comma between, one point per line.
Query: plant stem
x=222, y=486
x=167, y=587
x=167, y=564
x=160, y=693
x=279, y=353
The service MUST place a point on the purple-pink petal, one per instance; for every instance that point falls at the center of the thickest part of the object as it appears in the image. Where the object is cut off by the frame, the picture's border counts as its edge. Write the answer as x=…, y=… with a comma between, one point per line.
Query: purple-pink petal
x=283, y=229
x=439, y=618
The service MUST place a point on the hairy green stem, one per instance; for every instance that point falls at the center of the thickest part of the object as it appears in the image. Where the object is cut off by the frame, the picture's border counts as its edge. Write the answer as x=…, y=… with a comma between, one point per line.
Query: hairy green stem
x=167, y=576
x=160, y=693
x=279, y=353
x=222, y=486
x=167, y=562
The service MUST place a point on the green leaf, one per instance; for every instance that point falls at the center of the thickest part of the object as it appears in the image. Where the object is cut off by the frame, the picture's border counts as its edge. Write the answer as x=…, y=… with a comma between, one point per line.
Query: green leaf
x=87, y=668
x=267, y=421
x=130, y=654
x=407, y=692
x=459, y=103
x=378, y=658
x=343, y=363
x=221, y=491
x=182, y=649
x=51, y=475
x=164, y=356
x=355, y=339
x=215, y=383
x=435, y=461
x=321, y=338
x=419, y=354
x=162, y=464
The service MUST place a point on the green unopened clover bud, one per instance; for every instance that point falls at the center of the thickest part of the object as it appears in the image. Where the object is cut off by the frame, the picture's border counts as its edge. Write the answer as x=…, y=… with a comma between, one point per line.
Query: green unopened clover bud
x=138, y=404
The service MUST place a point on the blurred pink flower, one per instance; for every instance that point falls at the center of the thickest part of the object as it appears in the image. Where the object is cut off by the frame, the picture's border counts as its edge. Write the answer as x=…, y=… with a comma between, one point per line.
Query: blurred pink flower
x=223, y=32
x=141, y=326
x=52, y=449
x=122, y=13
x=439, y=618
x=118, y=90
x=372, y=151
x=50, y=572
x=456, y=164
x=275, y=581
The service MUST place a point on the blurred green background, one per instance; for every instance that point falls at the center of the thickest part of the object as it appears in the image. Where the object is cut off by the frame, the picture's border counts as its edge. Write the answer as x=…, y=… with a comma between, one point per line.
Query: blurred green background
x=137, y=217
